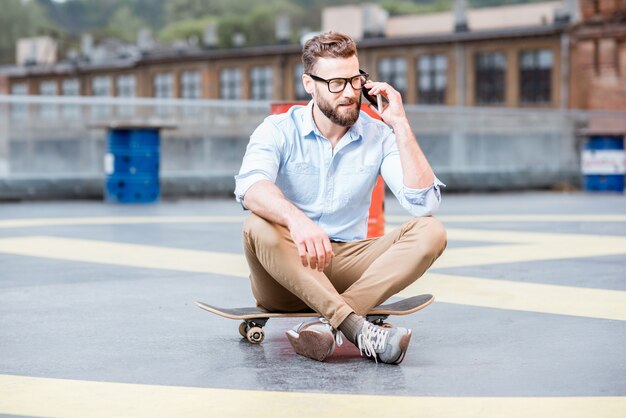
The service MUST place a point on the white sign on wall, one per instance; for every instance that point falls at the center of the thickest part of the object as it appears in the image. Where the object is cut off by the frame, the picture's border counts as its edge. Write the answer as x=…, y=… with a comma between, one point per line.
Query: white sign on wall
x=605, y=161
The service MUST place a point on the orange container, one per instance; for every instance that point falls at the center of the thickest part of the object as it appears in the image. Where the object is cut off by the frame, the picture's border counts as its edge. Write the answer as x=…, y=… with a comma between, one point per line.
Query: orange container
x=376, y=222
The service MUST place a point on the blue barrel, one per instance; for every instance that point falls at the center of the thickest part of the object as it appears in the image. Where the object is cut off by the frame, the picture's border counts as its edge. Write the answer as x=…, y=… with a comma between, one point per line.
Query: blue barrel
x=603, y=163
x=132, y=165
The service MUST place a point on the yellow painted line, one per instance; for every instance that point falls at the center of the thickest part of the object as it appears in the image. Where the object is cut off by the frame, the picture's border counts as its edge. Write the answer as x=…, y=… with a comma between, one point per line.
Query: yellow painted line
x=517, y=218
x=554, y=246
x=109, y=220
x=124, y=220
x=526, y=246
x=522, y=296
x=488, y=255
x=500, y=294
x=20, y=395
x=133, y=255
x=475, y=234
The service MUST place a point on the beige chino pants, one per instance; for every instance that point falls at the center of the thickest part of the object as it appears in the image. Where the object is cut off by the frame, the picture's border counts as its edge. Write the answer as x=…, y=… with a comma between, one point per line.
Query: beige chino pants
x=362, y=274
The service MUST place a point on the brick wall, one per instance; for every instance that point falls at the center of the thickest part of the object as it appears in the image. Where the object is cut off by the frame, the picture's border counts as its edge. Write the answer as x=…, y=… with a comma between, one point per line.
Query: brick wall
x=598, y=79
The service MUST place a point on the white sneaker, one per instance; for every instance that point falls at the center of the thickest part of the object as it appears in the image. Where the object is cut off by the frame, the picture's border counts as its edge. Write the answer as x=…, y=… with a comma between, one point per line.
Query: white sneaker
x=314, y=339
x=388, y=345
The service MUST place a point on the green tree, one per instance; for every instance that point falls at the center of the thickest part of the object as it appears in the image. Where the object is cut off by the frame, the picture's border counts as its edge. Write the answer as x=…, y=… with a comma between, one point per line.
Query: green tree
x=185, y=29
x=227, y=26
x=19, y=20
x=395, y=7
x=176, y=10
x=261, y=21
x=124, y=24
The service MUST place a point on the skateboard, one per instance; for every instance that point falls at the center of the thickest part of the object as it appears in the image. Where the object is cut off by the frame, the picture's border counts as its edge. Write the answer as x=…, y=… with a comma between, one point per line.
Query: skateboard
x=254, y=319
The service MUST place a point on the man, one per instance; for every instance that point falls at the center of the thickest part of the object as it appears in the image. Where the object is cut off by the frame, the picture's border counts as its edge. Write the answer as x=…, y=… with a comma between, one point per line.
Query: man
x=307, y=176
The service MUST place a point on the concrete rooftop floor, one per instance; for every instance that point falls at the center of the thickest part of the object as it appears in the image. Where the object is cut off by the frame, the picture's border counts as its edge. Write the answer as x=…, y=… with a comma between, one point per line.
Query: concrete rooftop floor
x=97, y=316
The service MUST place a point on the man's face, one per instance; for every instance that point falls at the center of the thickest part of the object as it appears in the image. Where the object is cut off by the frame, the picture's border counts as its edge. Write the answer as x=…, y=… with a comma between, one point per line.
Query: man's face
x=341, y=108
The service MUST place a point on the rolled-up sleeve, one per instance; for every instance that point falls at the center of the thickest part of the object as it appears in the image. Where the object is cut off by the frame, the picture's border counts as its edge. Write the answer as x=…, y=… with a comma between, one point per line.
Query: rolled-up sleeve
x=261, y=160
x=418, y=202
x=421, y=202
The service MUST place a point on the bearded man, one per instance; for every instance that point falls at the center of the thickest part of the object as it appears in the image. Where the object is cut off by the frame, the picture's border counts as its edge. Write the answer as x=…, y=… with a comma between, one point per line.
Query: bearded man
x=307, y=177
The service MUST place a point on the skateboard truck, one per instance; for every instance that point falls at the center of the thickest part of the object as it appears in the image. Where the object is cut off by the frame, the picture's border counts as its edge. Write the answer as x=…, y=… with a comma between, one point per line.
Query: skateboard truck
x=252, y=329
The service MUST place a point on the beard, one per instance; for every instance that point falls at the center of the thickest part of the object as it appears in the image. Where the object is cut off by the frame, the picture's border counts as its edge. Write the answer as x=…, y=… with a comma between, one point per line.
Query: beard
x=345, y=118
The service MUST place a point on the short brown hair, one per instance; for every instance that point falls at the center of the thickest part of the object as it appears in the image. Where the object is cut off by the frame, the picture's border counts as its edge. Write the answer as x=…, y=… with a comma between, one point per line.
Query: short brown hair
x=326, y=45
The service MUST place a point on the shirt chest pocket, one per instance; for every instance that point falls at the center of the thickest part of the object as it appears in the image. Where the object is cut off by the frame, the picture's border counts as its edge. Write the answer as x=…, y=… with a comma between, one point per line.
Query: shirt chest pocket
x=359, y=170
x=301, y=167
x=355, y=183
x=300, y=183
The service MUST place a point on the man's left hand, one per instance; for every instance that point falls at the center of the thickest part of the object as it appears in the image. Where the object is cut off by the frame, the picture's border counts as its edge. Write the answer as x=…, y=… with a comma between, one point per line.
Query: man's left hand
x=393, y=112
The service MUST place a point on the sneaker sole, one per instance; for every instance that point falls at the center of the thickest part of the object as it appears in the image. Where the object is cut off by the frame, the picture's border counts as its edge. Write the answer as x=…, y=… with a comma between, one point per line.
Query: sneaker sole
x=311, y=344
x=404, y=346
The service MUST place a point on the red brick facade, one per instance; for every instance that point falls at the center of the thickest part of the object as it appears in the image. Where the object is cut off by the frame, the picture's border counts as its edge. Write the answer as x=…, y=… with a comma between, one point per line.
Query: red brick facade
x=599, y=56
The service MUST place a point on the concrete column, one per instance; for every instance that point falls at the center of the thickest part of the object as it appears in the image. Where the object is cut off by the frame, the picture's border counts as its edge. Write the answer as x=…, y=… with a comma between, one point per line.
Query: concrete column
x=512, y=93
x=460, y=16
x=4, y=140
x=565, y=71
x=572, y=7
x=460, y=64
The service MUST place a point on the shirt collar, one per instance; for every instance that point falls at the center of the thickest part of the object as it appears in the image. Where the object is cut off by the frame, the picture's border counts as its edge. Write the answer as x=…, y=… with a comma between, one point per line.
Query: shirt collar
x=309, y=128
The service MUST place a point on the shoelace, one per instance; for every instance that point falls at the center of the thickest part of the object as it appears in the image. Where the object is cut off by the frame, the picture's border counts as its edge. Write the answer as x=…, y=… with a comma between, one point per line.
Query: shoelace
x=337, y=334
x=372, y=339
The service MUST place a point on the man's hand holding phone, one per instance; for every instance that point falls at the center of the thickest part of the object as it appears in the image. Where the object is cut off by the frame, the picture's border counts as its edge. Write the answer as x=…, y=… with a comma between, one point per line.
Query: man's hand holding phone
x=385, y=100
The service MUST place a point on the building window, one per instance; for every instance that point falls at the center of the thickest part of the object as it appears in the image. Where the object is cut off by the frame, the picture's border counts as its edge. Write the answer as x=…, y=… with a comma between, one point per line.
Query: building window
x=298, y=87
x=48, y=88
x=536, y=76
x=490, y=77
x=19, y=89
x=101, y=86
x=190, y=85
x=48, y=110
x=164, y=85
x=126, y=86
x=261, y=83
x=393, y=71
x=70, y=87
x=230, y=84
x=432, y=76
x=19, y=111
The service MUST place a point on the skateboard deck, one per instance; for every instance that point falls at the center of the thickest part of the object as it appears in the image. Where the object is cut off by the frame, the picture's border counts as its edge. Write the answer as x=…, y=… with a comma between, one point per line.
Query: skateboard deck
x=254, y=319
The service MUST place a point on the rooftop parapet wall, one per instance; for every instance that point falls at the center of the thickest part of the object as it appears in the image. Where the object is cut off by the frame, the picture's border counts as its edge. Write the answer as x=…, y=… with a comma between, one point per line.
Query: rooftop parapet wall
x=47, y=149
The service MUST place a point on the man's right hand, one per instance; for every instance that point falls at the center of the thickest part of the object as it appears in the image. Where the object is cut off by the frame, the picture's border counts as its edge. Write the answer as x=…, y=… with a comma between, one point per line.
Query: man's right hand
x=266, y=200
x=312, y=242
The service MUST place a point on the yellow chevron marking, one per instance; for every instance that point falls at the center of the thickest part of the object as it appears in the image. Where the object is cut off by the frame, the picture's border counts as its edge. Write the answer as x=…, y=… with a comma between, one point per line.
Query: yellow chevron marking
x=501, y=294
x=521, y=296
x=20, y=395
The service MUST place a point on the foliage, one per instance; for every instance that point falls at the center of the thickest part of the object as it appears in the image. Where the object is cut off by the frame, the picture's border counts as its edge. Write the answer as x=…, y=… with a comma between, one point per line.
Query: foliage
x=228, y=26
x=401, y=7
x=185, y=29
x=124, y=24
x=180, y=19
x=19, y=20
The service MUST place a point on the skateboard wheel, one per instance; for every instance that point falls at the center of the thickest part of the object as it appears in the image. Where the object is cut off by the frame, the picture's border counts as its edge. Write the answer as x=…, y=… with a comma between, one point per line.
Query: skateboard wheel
x=386, y=325
x=243, y=330
x=255, y=335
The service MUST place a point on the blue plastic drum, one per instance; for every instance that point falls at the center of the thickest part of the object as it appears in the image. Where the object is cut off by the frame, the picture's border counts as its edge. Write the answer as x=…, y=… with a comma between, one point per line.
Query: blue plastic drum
x=132, y=165
x=603, y=163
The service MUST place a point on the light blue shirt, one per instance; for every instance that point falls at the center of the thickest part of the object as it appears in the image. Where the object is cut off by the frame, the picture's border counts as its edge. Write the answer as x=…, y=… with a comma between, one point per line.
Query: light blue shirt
x=332, y=187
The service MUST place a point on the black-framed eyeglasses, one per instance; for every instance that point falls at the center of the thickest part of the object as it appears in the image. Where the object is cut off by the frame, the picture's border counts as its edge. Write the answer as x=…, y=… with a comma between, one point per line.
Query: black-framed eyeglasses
x=337, y=85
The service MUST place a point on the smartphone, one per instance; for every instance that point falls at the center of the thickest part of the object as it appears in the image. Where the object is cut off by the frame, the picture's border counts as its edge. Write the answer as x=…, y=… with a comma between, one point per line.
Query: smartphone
x=374, y=100
x=378, y=101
